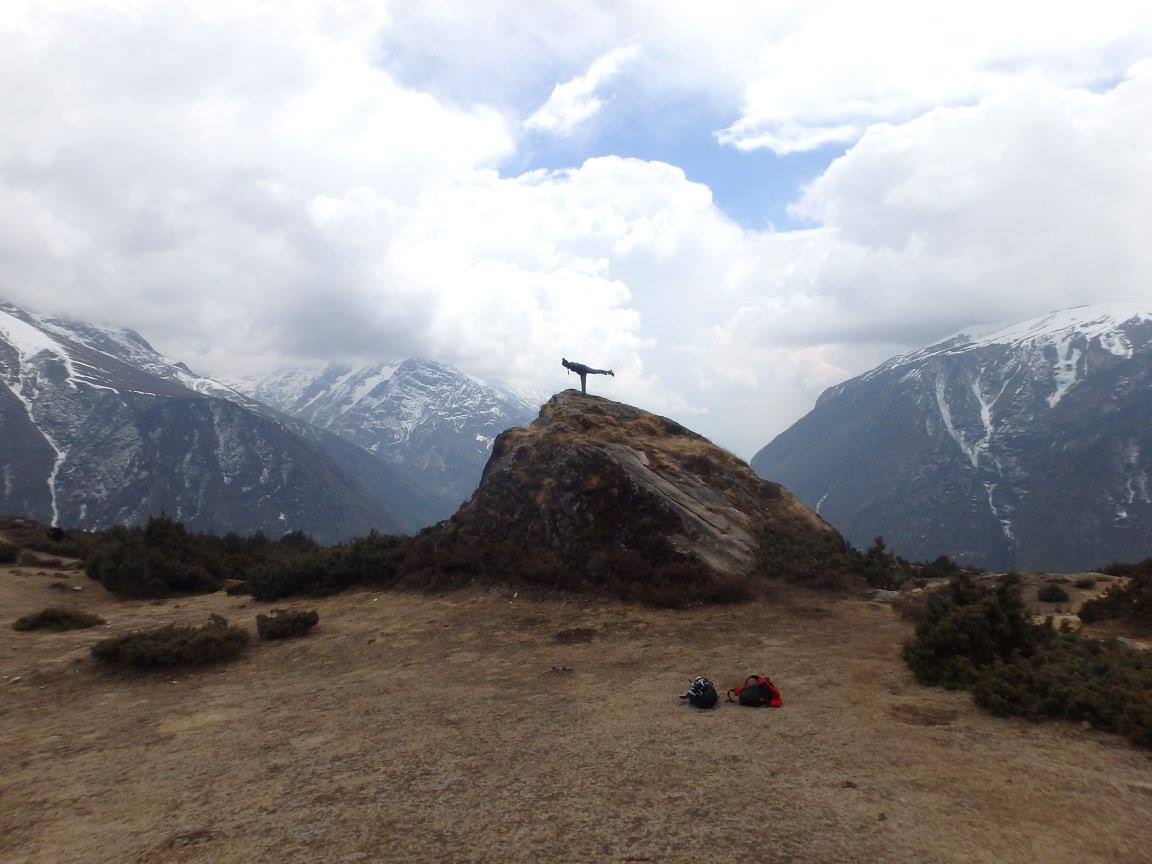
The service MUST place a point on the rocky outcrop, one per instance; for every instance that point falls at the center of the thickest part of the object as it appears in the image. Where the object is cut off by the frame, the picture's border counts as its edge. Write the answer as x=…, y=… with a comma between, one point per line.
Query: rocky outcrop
x=591, y=480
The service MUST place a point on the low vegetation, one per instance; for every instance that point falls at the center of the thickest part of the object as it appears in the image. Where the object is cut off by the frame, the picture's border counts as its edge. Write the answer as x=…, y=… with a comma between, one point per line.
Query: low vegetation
x=981, y=638
x=162, y=558
x=174, y=645
x=832, y=567
x=56, y=618
x=1130, y=602
x=8, y=553
x=286, y=623
x=1085, y=583
x=319, y=570
x=28, y=534
x=1050, y=592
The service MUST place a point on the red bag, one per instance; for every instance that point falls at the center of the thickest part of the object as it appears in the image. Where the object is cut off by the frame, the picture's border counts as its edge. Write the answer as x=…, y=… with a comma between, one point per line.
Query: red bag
x=756, y=692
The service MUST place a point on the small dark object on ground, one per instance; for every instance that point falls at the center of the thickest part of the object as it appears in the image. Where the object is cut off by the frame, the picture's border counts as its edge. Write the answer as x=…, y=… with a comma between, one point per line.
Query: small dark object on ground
x=56, y=618
x=701, y=694
x=1052, y=593
x=1086, y=583
x=561, y=670
x=575, y=636
x=286, y=623
x=173, y=645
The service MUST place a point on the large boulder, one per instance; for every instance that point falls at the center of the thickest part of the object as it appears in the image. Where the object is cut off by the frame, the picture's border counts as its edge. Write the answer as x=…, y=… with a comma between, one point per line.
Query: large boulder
x=597, y=493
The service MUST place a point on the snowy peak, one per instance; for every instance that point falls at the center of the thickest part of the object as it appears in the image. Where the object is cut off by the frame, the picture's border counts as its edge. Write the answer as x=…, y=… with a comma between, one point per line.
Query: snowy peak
x=1110, y=325
x=1019, y=445
x=83, y=354
x=430, y=419
x=99, y=428
x=1060, y=348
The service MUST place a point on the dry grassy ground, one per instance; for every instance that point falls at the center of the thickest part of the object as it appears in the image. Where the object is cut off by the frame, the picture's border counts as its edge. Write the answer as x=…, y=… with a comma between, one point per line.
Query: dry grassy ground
x=410, y=728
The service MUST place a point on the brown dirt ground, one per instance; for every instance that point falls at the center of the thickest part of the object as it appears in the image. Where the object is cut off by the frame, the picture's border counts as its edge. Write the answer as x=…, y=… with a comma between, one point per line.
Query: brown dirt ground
x=416, y=728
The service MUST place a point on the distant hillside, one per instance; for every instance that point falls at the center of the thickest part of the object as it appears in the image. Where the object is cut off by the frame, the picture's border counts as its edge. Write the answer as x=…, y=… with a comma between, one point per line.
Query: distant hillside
x=101, y=429
x=430, y=422
x=1027, y=446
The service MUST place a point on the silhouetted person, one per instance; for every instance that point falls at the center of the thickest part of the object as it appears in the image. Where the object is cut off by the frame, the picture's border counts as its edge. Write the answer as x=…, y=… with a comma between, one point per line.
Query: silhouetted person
x=584, y=371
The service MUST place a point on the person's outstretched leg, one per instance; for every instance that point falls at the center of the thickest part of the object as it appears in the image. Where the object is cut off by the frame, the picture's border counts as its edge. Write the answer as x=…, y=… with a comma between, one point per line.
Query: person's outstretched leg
x=584, y=383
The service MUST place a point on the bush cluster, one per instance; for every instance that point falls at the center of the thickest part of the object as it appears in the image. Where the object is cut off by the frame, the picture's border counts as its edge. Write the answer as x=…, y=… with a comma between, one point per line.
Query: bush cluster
x=286, y=623
x=27, y=534
x=7, y=553
x=825, y=565
x=1085, y=582
x=966, y=627
x=1068, y=676
x=56, y=618
x=1050, y=592
x=1131, y=602
x=321, y=570
x=981, y=638
x=163, y=558
x=173, y=645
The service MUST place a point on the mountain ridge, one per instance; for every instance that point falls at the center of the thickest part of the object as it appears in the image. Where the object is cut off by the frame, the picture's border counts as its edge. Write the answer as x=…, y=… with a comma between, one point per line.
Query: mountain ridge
x=102, y=429
x=431, y=421
x=969, y=445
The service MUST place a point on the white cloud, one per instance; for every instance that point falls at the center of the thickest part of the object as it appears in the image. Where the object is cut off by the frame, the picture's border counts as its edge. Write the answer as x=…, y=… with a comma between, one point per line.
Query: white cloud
x=792, y=74
x=578, y=99
x=251, y=185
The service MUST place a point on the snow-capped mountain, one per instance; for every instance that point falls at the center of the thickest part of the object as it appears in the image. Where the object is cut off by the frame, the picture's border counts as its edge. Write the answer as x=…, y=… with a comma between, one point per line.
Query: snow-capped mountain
x=1027, y=445
x=100, y=429
x=429, y=420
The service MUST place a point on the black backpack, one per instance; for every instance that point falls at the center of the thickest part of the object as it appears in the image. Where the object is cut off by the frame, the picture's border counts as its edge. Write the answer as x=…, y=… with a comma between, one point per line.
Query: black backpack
x=701, y=694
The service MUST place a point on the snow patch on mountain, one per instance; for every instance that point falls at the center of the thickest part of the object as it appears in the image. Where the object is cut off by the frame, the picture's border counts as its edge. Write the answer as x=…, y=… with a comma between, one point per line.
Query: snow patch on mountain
x=431, y=419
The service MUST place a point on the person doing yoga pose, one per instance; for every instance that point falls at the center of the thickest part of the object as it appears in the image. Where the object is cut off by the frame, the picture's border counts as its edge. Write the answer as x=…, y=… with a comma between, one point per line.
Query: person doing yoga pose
x=584, y=371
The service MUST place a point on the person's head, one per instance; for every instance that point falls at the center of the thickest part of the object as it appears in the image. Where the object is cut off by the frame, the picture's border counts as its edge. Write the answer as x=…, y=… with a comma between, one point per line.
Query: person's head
x=564, y=362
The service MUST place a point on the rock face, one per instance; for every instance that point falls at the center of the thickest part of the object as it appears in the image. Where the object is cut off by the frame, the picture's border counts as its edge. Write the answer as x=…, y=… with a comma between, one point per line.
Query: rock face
x=1022, y=447
x=590, y=475
x=99, y=429
x=430, y=422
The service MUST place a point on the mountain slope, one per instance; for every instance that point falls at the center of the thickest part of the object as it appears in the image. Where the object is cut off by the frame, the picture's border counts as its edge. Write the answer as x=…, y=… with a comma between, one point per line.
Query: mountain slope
x=101, y=429
x=431, y=422
x=1025, y=446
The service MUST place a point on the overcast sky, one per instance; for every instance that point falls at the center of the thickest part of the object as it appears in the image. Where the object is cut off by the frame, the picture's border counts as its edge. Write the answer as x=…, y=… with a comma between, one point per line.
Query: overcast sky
x=734, y=205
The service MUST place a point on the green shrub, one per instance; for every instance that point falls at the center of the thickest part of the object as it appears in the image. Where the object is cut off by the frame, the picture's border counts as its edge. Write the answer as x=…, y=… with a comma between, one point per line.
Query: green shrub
x=1052, y=593
x=965, y=627
x=1131, y=602
x=1078, y=679
x=371, y=559
x=980, y=638
x=1085, y=582
x=158, y=560
x=174, y=645
x=56, y=618
x=8, y=553
x=286, y=623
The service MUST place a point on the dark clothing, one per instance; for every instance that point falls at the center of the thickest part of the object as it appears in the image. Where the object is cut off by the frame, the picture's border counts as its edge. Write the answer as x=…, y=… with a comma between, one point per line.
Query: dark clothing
x=584, y=371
